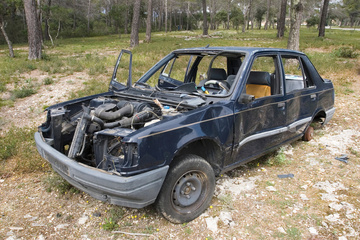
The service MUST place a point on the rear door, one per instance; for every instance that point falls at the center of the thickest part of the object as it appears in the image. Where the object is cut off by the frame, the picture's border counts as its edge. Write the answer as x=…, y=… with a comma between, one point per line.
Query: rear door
x=300, y=94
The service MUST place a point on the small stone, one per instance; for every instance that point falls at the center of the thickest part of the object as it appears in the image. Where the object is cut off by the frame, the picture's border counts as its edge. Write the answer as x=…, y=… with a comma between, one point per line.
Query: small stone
x=342, y=238
x=281, y=230
x=212, y=224
x=61, y=226
x=313, y=231
x=336, y=206
x=96, y=214
x=304, y=187
x=271, y=189
x=40, y=237
x=16, y=228
x=83, y=220
x=333, y=217
x=304, y=197
x=225, y=217
x=324, y=224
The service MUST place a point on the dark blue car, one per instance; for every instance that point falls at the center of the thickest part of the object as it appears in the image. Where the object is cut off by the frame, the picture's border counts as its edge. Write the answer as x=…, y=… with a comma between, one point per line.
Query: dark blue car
x=195, y=114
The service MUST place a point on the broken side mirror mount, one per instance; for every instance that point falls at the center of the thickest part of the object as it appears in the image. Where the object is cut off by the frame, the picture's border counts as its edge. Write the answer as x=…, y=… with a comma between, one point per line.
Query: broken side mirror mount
x=246, y=98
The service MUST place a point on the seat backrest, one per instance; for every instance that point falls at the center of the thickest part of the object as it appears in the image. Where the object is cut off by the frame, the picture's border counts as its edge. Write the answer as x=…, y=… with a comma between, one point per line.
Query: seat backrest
x=217, y=74
x=258, y=84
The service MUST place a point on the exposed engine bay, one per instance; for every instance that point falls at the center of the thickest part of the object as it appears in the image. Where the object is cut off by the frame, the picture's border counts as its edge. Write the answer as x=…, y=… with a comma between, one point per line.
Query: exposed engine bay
x=91, y=131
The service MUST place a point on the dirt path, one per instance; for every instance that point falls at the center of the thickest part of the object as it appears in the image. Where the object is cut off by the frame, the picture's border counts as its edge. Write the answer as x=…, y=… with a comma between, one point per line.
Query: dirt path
x=320, y=201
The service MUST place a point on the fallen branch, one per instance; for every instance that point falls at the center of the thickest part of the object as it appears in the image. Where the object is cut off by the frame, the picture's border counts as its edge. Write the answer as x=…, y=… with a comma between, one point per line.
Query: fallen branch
x=134, y=234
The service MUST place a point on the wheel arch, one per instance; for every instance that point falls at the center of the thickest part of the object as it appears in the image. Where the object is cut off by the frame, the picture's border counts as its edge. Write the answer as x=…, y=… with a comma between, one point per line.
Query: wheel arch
x=206, y=148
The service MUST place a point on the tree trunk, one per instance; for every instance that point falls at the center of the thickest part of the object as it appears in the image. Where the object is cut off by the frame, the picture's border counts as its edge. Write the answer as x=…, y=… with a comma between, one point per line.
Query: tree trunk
x=188, y=16
x=126, y=19
x=205, y=25
x=148, y=21
x=249, y=18
x=9, y=43
x=282, y=18
x=88, y=17
x=166, y=15
x=294, y=34
x=134, y=38
x=34, y=30
x=48, y=32
x=323, y=18
x=212, y=15
x=47, y=17
x=267, y=21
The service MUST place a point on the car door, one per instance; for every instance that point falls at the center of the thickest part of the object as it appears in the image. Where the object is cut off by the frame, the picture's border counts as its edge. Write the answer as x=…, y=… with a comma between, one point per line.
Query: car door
x=259, y=124
x=300, y=94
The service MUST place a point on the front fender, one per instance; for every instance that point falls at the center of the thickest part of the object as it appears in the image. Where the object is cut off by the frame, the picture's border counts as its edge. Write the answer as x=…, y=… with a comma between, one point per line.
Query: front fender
x=158, y=146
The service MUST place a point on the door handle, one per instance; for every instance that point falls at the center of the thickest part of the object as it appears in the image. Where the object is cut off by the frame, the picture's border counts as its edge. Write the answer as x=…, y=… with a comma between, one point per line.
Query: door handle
x=313, y=97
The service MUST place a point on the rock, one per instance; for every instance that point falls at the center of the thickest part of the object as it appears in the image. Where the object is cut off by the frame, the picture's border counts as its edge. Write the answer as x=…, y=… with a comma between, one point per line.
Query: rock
x=342, y=238
x=271, y=189
x=41, y=237
x=313, y=231
x=330, y=187
x=226, y=218
x=281, y=230
x=304, y=197
x=212, y=224
x=83, y=220
x=336, y=206
x=236, y=185
x=61, y=226
x=16, y=228
x=96, y=214
x=333, y=217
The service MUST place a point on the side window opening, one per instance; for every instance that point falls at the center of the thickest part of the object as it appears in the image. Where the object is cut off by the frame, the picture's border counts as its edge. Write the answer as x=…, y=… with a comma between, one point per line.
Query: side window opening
x=264, y=79
x=296, y=76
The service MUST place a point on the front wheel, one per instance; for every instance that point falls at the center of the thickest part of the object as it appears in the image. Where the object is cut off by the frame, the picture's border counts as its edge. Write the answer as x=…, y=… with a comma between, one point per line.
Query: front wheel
x=187, y=190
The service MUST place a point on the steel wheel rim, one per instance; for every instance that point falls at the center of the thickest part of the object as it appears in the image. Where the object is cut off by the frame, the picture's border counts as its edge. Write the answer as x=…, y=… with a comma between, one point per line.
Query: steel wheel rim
x=189, y=190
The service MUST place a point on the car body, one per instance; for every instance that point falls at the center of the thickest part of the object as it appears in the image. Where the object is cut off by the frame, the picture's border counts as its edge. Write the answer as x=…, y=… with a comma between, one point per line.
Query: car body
x=195, y=114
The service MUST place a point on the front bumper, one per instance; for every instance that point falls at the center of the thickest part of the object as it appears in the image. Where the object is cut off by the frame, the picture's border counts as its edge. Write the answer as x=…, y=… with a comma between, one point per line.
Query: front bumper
x=136, y=191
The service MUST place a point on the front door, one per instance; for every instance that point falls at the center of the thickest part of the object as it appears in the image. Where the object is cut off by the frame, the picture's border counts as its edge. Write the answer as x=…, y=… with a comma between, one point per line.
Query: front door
x=259, y=125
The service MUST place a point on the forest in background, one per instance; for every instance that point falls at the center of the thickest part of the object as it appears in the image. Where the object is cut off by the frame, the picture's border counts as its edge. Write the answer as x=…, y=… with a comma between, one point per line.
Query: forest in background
x=80, y=18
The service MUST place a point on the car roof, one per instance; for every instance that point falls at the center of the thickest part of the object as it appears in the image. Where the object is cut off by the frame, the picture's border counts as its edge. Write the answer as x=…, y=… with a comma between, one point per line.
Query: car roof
x=249, y=50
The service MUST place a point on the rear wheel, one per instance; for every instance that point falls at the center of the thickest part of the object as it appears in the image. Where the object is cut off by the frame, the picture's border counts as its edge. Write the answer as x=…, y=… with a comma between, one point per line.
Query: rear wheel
x=309, y=134
x=187, y=190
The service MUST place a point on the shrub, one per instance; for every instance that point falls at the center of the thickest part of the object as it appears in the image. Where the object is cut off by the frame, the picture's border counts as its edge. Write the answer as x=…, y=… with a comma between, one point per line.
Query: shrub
x=345, y=52
x=23, y=92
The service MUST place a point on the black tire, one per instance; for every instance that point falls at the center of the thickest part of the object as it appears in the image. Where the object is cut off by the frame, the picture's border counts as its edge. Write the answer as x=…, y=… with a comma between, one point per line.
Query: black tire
x=187, y=190
x=309, y=134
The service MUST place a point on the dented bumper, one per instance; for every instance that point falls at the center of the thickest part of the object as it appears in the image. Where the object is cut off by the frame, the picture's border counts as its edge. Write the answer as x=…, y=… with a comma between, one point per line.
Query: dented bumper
x=135, y=191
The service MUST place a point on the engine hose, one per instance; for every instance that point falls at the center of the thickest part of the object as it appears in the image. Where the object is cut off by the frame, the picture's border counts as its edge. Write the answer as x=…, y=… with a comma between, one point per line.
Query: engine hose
x=104, y=111
x=127, y=122
x=79, y=134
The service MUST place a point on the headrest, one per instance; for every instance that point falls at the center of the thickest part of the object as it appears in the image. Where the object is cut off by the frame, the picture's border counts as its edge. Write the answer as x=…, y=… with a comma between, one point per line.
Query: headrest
x=260, y=78
x=217, y=74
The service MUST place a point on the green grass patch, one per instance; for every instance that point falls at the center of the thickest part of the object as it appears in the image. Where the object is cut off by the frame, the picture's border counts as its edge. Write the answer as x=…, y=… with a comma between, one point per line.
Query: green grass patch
x=54, y=182
x=345, y=52
x=48, y=81
x=18, y=144
x=278, y=159
x=23, y=92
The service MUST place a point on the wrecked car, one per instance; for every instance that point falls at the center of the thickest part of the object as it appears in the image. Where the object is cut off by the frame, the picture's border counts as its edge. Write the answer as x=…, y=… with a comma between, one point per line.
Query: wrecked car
x=196, y=114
